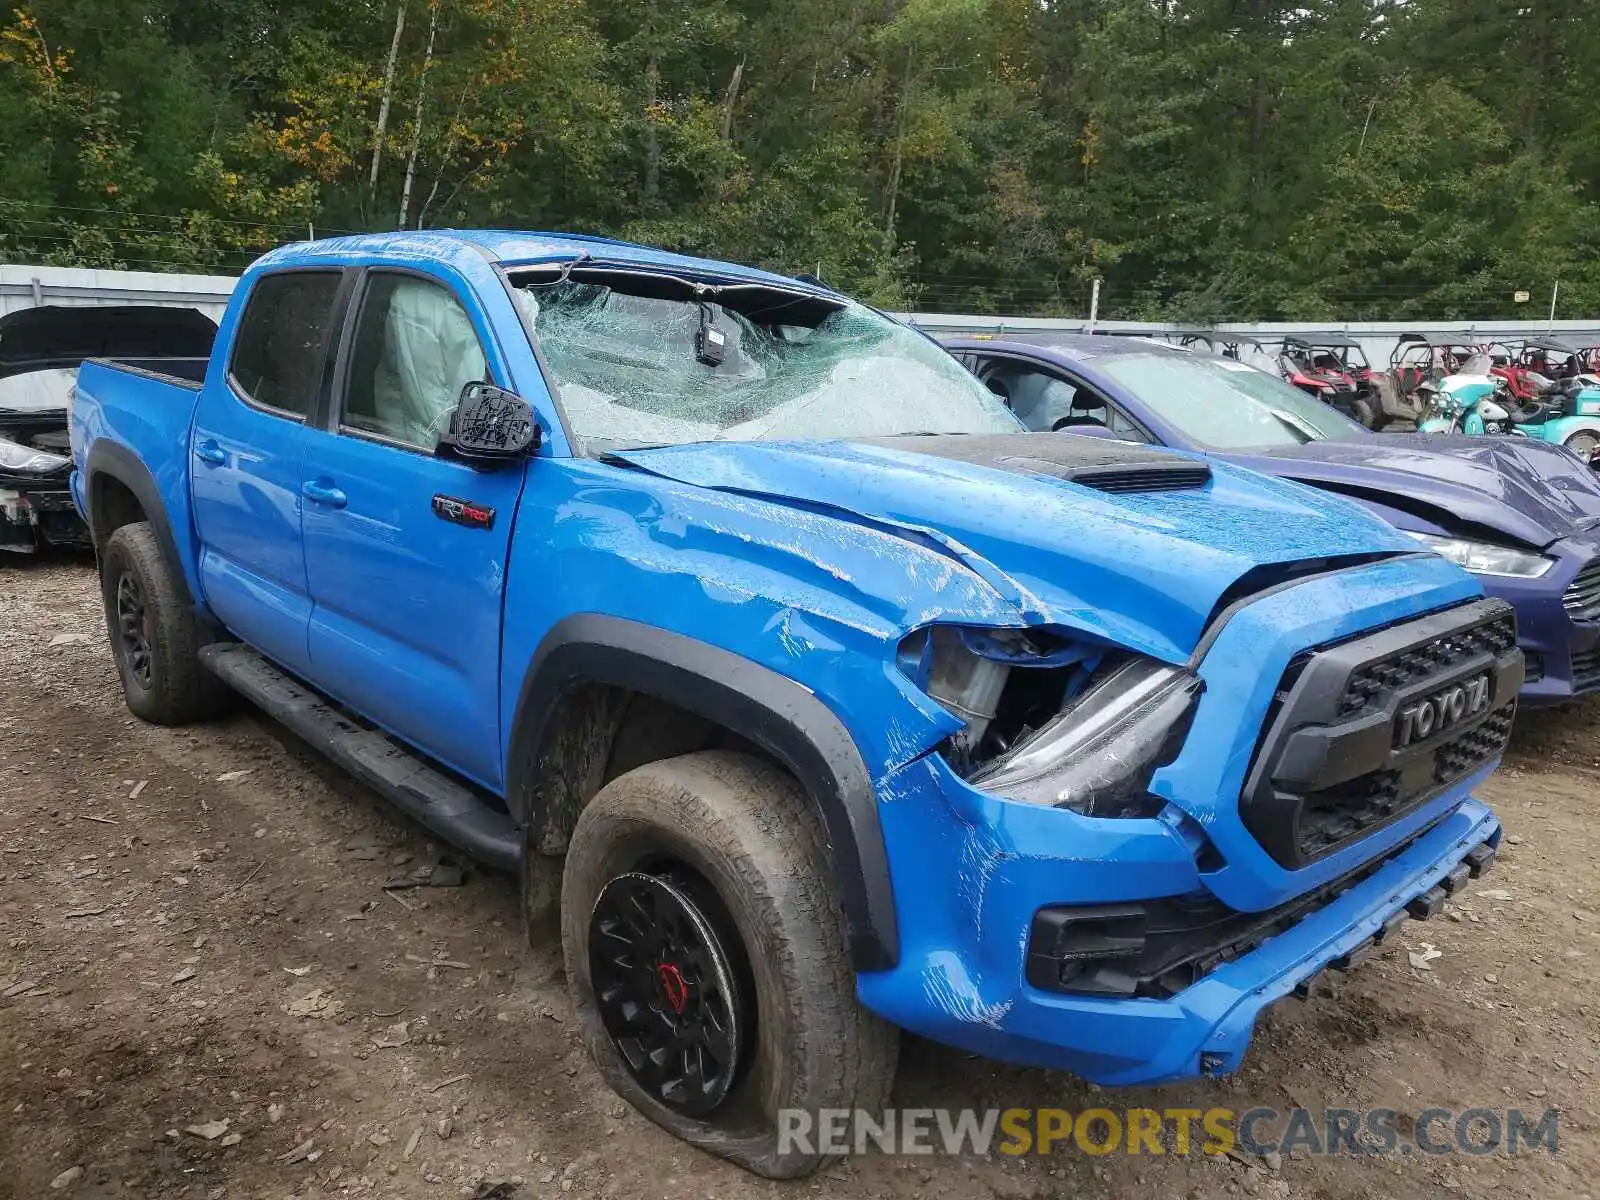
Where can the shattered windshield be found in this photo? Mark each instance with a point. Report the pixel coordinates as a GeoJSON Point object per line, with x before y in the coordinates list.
{"type": "Point", "coordinates": [1227, 405]}
{"type": "Point", "coordinates": [742, 364]}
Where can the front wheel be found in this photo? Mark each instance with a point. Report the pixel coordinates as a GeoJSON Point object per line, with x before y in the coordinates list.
{"type": "Point", "coordinates": [705, 953]}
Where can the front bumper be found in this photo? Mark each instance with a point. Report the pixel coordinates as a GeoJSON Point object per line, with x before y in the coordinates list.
{"type": "Point", "coordinates": [1563, 653]}
{"type": "Point", "coordinates": [38, 512]}
{"type": "Point", "coordinates": [971, 872]}
{"type": "Point", "coordinates": [1206, 1028]}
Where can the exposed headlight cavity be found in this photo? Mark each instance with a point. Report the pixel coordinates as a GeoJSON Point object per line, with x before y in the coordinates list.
{"type": "Point", "coordinates": [1486, 558]}
{"type": "Point", "coordinates": [1051, 720]}
{"type": "Point", "coordinates": [1098, 754]}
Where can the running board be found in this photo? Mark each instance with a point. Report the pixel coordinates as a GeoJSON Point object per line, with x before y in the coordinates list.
{"type": "Point", "coordinates": [446, 807]}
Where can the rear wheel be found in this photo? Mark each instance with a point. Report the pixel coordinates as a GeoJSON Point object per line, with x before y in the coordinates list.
{"type": "Point", "coordinates": [705, 952]}
{"type": "Point", "coordinates": [155, 636]}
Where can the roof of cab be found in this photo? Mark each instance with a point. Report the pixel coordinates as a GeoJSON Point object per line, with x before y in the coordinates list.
{"type": "Point", "coordinates": [512, 248]}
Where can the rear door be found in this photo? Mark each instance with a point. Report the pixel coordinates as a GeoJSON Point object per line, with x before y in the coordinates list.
{"type": "Point", "coordinates": [245, 453]}
{"type": "Point", "coordinates": [406, 552]}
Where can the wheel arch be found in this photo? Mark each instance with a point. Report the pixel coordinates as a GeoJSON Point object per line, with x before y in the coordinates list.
{"type": "Point", "coordinates": [112, 473]}
{"type": "Point", "coordinates": [776, 714]}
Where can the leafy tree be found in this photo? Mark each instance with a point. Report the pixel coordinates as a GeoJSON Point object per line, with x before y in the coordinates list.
{"type": "Point", "coordinates": [1204, 159]}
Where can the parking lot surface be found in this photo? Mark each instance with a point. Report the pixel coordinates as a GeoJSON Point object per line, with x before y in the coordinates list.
{"type": "Point", "coordinates": [206, 990]}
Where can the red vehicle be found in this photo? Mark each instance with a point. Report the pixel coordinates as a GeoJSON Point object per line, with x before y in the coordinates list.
{"type": "Point", "coordinates": [1518, 368]}
{"type": "Point", "coordinates": [1555, 358]}
{"type": "Point", "coordinates": [1333, 368]}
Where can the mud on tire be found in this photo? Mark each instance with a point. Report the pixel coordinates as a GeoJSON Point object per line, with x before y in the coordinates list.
{"type": "Point", "coordinates": [155, 635]}
{"type": "Point", "coordinates": [735, 839]}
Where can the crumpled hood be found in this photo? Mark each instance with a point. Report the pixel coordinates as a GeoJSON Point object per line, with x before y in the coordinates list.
{"type": "Point", "coordinates": [1145, 568]}
{"type": "Point", "coordinates": [1524, 489]}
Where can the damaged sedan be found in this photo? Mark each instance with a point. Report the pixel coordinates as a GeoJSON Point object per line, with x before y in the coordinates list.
{"type": "Point", "coordinates": [40, 350]}
{"type": "Point", "coordinates": [1521, 515]}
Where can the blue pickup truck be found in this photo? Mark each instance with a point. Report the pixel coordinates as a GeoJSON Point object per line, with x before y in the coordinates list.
{"type": "Point", "coordinates": [810, 695]}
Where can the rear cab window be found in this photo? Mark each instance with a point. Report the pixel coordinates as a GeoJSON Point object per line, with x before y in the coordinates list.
{"type": "Point", "coordinates": [280, 349]}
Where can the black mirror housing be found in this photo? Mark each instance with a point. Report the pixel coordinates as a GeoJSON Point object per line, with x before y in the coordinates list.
{"type": "Point", "coordinates": [491, 425]}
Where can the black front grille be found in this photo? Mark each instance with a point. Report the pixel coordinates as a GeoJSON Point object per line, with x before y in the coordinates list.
{"type": "Point", "coordinates": [1365, 731]}
{"type": "Point", "coordinates": [1582, 597]}
{"type": "Point", "coordinates": [1373, 683]}
{"type": "Point", "coordinates": [1463, 755]}
{"type": "Point", "coordinates": [1335, 816]}
{"type": "Point", "coordinates": [1586, 670]}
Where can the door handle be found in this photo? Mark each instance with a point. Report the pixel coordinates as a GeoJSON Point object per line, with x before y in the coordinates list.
{"type": "Point", "coordinates": [209, 452]}
{"type": "Point", "coordinates": [326, 494]}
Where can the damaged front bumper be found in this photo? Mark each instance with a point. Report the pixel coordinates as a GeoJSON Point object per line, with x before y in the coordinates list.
{"type": "Point", "coordinates": [36, 504]}
{"type": "Point", "coordinates": [35, 512]}
{"type": "Point", "coordinates": [1205, 1029]}
{"type": "Point", "coordinates": [1141, 950]}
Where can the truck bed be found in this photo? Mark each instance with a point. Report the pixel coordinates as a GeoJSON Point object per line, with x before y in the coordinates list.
{"type": "Point", "coordinates": [188, 373]}
{"type": "Point", "coordinates": [140, 409]}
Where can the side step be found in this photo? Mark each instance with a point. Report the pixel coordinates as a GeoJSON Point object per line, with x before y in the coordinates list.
{"type": "Point", "coordinates": [444, 806]}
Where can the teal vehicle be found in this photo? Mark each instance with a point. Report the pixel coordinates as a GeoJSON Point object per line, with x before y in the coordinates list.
{"type": "Point", "coordinates": [1564, 412]}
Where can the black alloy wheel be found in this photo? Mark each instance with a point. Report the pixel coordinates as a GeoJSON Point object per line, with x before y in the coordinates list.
{"type": "Point", "coordinates": [666, 988]}
{"type": "Point", "coordinates": [133, 628]}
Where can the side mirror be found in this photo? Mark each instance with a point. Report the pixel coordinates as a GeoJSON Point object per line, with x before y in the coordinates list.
{"type": "Point", "coordinates": [490, 425]}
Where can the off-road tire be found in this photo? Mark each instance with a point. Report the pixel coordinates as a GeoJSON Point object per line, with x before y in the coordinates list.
{"type": "Point", "coordinates": [743, 827]}
{"type": "Point", "coordinates": [176, 689]}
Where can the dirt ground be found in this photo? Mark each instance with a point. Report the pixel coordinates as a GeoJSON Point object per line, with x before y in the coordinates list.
{"type": "Point", "coordinates": [195, 931]}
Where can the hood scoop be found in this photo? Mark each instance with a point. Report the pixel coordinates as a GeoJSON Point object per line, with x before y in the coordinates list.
{"type": "Point", "coordinates": [1127, 477]}
{"type": "Point", "coordinates": [1099, 463]}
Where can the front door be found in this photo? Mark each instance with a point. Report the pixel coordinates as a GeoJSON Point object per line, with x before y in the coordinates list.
{"type": "Point", "coordinates": [405, 550]}
{"type": "Point", "coordinates": [244, 460]}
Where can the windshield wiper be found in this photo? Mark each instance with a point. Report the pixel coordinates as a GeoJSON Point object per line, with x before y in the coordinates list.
{"type": "Point", "coordinates": [1295, 426]}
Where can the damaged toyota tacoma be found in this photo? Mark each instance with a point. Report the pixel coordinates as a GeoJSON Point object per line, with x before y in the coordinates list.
{"type": "Point", "coordinates": [811, 697]}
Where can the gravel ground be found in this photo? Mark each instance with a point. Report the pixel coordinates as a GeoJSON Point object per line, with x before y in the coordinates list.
{"type": "Point", "coordinates": [200, 922]}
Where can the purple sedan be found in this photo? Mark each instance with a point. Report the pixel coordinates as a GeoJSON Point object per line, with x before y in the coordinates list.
{"type": "Point", "coordinates": [1521, 515]}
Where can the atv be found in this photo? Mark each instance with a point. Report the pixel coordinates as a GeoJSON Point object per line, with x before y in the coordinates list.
{"type": "Point", "coordinates": [1333, 368]}
{"type": "Point", "coordinates": [1418, 359]}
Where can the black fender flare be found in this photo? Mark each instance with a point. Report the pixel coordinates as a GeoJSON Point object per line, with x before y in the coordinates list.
{"type": "Point", "coordinates": [110, 460]}
{"type": "Point", "coordinates": [781, 716]}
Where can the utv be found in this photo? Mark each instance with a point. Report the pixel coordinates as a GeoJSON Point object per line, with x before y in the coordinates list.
{"type": "Point", "coordinates": [1333, 368]}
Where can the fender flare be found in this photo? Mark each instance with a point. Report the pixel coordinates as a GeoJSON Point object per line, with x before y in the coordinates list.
{"type": "Point", "coordinates": [781, 716]}
{"type": "Point", "coordinates": [1577, 425]}
{"type": "Point", "coordinates": [109, 460]}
